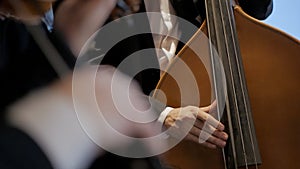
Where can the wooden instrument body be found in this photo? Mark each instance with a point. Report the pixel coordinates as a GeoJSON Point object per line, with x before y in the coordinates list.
{"type": "Point", "coordinates": [271, 61]}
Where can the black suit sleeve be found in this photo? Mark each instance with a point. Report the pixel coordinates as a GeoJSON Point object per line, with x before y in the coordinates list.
{"type": "Point", "coordinates": [23, 68]}
{"type": "Point", "coordinates": [19, 151]}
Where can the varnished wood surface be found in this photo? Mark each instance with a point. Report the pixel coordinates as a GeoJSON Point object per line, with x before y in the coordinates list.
{"type": "Point", "coordinates": [272, 68]}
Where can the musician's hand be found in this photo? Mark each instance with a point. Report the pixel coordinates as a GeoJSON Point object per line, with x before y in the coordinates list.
{"type": "Point", "coordinates": [212, 134]}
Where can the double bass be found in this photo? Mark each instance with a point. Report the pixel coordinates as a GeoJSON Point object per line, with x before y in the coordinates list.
{"type": "Point", "coordinates": [261, 93]}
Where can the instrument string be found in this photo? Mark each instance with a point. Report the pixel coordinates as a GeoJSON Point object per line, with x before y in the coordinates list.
{"type": "Point", "coordinates": [214, 78]}
{"type": "Point", "coordinates": [211, 22]}
{"type": "Point", "coordinates": [229, 6]}
{"type": "Point", "coordinates": [233, 84]}
{"type": "Point", "coordinates": [219, 16]}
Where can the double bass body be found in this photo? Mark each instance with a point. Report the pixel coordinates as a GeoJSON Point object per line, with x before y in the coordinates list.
{"type": "Point", "coordinates": [271, 61]}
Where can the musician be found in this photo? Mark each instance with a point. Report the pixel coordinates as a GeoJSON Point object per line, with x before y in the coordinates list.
{"type": "Point", "coordinates": [16, 65]}
{"type": "Point", "coordinates": [259, 9]}
{"type": "Point", "coordinates": [194, 12]}
{"type": "Point", "coordinates": [40, 128]}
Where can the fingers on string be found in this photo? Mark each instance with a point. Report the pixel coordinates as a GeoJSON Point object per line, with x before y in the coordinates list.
{"type": "Point", "coordinates": [205, 137]}
{"type": "Point", "coordinates": [193, 138]}
{"type": "Point", "coordinates": [207, 118]}
{"type": "Point", "coordinates": [206, 109]}
{"type": "Point", "coordinates": [210, 129]}
{"type": "Point", "coordinates": [211, 109]}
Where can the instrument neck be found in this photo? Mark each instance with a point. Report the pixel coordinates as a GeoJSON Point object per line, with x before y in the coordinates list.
{"type": "Point", "coordinates": [242, 149]}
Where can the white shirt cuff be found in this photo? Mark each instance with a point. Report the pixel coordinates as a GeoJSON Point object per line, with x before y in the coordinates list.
{"type": "Point", "coordinates": [164, 114]}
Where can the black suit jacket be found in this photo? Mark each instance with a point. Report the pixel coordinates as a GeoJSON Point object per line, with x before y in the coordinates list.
{"type": "Point", "coordinates": [23, 68]}
{"type": "Point", "coordinates": [187, 9]}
